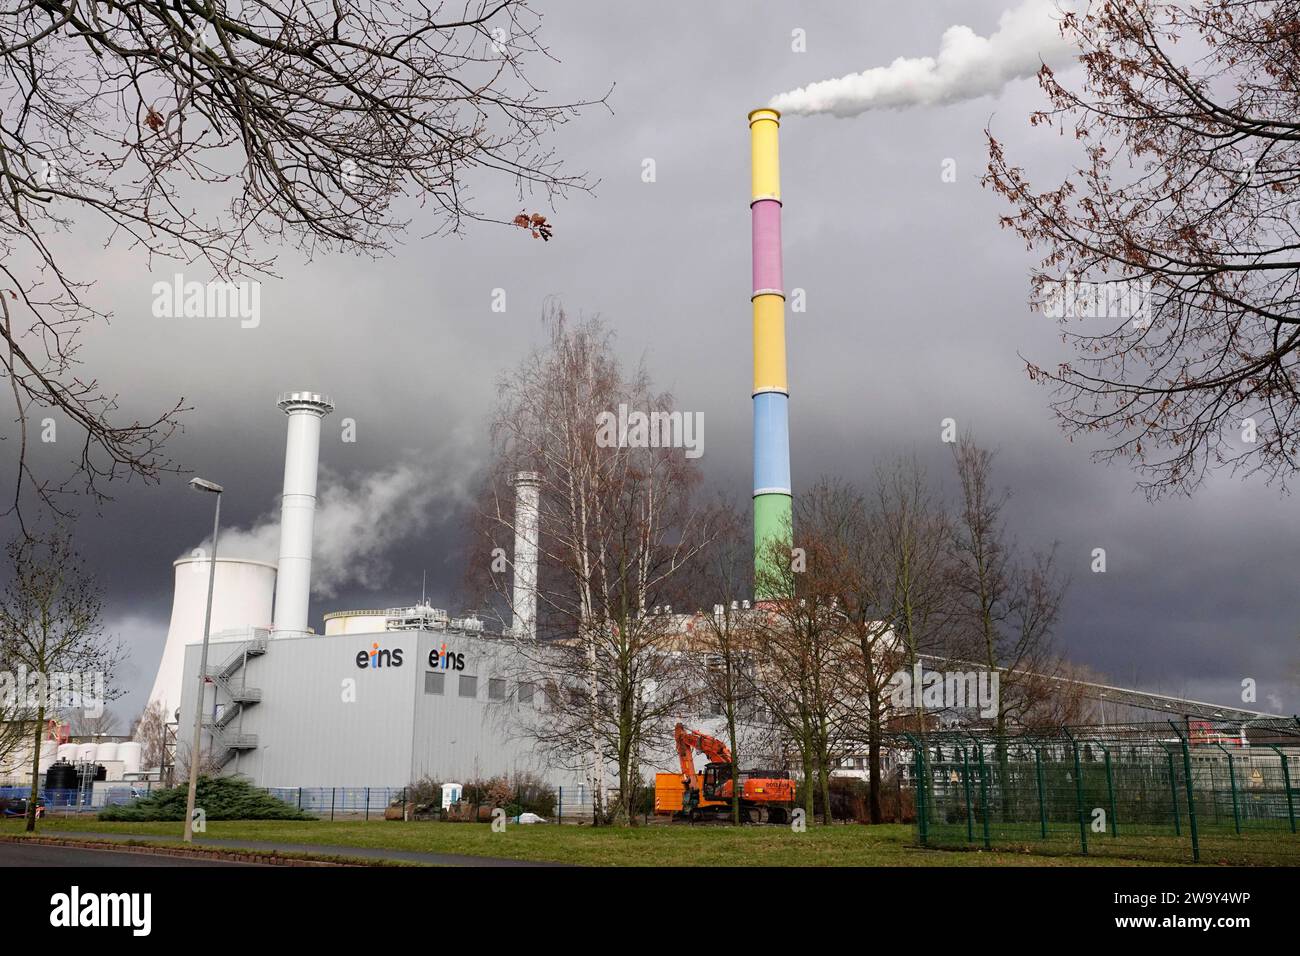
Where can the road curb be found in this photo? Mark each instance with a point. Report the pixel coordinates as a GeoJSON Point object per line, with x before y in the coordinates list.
{"type": "Point", "coordinates": [266, 858]}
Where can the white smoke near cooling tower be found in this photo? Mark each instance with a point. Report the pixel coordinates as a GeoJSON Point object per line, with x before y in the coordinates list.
{"type": "Point", "coordinates": [358, 520]}
{"type": "Point", "coordinates": [967, 66]}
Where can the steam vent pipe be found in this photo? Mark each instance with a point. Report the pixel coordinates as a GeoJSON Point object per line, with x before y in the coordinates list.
{"type": "Point", "coordinates": [298, 509]}
{"type": "Point", "coordinates": [772, 496]}
{"type": "Point", "coordinates": [523, 595]}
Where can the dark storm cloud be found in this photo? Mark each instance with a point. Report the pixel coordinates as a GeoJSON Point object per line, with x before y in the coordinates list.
{"type": "Point", "coordinates": [916, 311]}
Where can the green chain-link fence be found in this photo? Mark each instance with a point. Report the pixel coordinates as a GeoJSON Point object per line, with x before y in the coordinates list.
{"type": "Point", "coordinates": [1175, 791]}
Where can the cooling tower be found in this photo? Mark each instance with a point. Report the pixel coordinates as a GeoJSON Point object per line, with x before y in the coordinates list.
{"type": "Point", "coordinates": [241, 598]}
{"type": "Point", "coordinates": [298, 509]}
{"type": "Point", "coordinates": [772, 496]}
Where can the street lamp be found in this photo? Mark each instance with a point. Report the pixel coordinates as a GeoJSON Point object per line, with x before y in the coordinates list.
{"type": "Point", "coordinates": [199, 484]}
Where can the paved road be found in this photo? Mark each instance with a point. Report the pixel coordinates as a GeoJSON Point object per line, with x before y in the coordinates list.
{"type": "Point", "coordinates": [36, 854]}
{"type": "Point", "coordinates": [318, 849]}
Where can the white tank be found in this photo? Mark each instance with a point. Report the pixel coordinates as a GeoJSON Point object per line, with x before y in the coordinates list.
{"type": "Point", "coordinates": [355, 622]}
{"type": "Point", "coordinates": [86, 752]}
{"type": "Point", "coordinates": [106, 752]}
{"type": "Point", "coordinates": [67, 752]}
{"type": "Point", "coordinates": [131, 754]}
{"type": "Point", "coordinates": [49, 751]}
{"type": "Point", "coordinates": [242, 597]}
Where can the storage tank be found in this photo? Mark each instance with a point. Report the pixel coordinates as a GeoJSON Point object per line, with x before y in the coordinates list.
{"type": "Point", "coordinates": [67, 752]}
{"type": "Point", "coordinates": [355, 622]}
{"type": "Point", "coordinates": [49, 752]}
{"type": "Point", "coordinates": [242, 597]}
{"type": "Point", "coordinates": [61, 776]}
{"type": "Point", "coordinates": [86, 752]}
{"type": "Point", "coordinates": [106, 752]}
{"type": "Point", "coordinates": [131, 754]}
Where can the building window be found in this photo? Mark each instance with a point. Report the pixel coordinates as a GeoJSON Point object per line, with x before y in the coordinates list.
{"type": "Point", "coordinates": [468, 685]}
{"type": "Point", "coordinates": [434, 683]}
{"type": "Point", "coordinates": [525, 692]}
{"type": "Point", "coordinates": [496, 688]}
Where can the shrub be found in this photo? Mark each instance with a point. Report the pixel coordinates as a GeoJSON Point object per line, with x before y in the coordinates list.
{"type": "Point", "coordinates": [220, 798]}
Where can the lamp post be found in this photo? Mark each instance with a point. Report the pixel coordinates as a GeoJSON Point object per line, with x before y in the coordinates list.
{"type": "Point", "coordinates": [199, 484]}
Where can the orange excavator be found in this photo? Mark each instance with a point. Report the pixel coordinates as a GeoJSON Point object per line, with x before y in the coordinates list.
{"type": "Point", "coordinates": [766, 796]}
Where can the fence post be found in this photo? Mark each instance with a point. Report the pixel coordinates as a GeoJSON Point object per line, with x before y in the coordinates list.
{"type": "Point", "coordinates": [1078, 794]}
{"type": "Point", "coordinates": [984, 793]}
{"type": "Point", "coordinates": [970, 812]}
{"type": "Point", "coordinates": [1232, 785]}
{"type": "Point", "coordinates": [1191, 799]}
{"type": "Point", "coordinates": [367, 803]}
{"type": "Point", "coordinates": [1286, 782]}
{"type": "Point", "coordinates": [559, 813]}
{"type": "Point", "coordinates": [300, 798]}
{"type": "Point", "coordinates": [1110, 792]}
{"type": "Point", "coordinates": [1042, 795]}
{"type": "Point", "coordinates": [922, 824]}
{"type": "Point", "coordinates": [1173, 792]}
{"type": "Point", "coordinates": [333, 792]}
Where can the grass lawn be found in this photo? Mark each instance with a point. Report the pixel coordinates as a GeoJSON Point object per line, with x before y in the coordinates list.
{"type": "Point", "coordinates": [1269, 845]}
{"type": "Point", "coordinates": [672, 845]}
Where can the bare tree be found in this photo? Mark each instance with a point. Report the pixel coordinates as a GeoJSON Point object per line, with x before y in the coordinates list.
{"type": "Point", "coordinates": [208, 132]}
{"type": "Point", "coordinates": [842, 536]}
{"type": "Point", "coordinates": [912, 530]}
{"type": "Point", "coordinates": [799, 644]}
{"type": "Point", "coordinates": [1185, 204]}
{"type": "Point", "coordinates": [1006, 611]}
{"type": "Point", "coordinates": [50, 626]}
{"type": "Point", "coordinates": [103, 724]}
{"type": "Point", "coordinates": [156, 735]}
{"type": "Point", "coordinates": [618, 526]}
{"type": "Point", "coordinates": [1007, 606]}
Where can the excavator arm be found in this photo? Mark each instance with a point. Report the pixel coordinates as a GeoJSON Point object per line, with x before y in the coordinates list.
{"type": "Point", "coordinates": [689, 741]}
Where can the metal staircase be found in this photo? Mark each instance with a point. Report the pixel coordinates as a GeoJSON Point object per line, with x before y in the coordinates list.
{"type": "Point", "coordinates": [228, 740]}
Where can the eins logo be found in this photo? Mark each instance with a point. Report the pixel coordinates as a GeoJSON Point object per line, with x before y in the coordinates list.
{"type": "Point", "coordinates": [379, 657]}
{"type": "Point", "coordinates": [446, 660]}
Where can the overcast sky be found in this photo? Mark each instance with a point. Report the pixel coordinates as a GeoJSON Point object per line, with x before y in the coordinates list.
{"type": "Point", "coordinates": [916, 312]}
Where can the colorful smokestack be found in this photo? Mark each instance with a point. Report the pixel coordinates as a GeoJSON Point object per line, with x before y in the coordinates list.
{"type": "Point", "coordinates": [772, 501]}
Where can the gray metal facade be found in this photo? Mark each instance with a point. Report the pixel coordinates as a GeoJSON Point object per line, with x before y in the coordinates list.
{"type": "Point", "coordinates": [341, 711]}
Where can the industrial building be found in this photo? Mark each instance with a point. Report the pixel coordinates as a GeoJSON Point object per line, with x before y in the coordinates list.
{"type": "Point", "coordinates": [381, 708]}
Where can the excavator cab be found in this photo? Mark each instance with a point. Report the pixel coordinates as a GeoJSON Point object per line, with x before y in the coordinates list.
{"type": "Point", "coordinates": [716, 782]}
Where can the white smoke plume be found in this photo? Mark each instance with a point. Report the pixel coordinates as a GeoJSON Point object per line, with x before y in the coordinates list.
{"type": "Point", "coordinates": [968, 66]}
{"type": "Point", "coordinates": [359, 520]}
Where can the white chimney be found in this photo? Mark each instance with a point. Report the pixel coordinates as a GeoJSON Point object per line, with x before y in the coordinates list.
{"type": "Point", "coordinates": [298, 509]}
{"type": "Point", "coordinates": [523, 595]}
